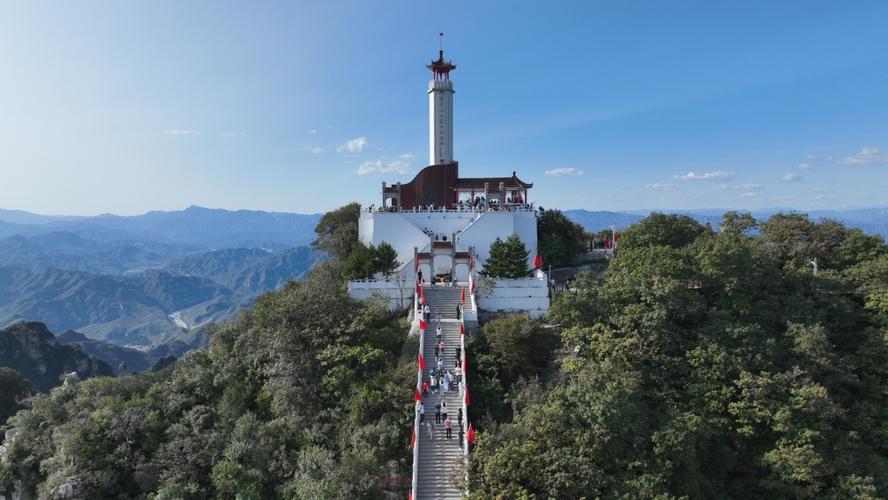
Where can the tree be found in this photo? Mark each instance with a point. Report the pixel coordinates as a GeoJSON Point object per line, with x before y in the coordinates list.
{"type": "Point", "coordinates": [338, 231]}
{"type": "Point", "coordinates": [360, 262]}
{"type": "Point", "coordinates": [507, 259]}
{"type": "Point", "coordinates": [659, 229]}
{"type": "Point", "coordinates": [560, 239]}
{"type": "Point", "coordinates": [737, 223]}
{"type": "Point", "coordinates": [385, 259]}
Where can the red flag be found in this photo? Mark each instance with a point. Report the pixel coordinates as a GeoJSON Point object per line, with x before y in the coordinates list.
{"type": "Point", "coordinates": [537, 261]}
{"type": "Point", "coordinates": [465, 363]}
{"type": "Point", "coordinates": [415, 263]}
{"type": "Point", "coordinates": [466, 398]}
{"type": "Point", "coordinates": [471, 263]}
{"type": "Point", "coordinates": [420, 362]}
{"type": "Point", "coordinates": [470, 435]}
{"type": "Point", "coordinates": [418, 288]}
{"type": "Point", "coordinates": [462, 296]}
{"type": "Point", "coordinates": [410, 495]}
{"type": "Point", "coordinates": [413, 437]}
{"type": "Point", "coordinates": [422, 294]}
{"type": "Point", "coordinates": [607, 243]}
{"type": "Point", "coordinates": [460, 328]}
{"type": "Point", "coordinates": [416, 394]}
{"type": "Point", "coordinates": [473, 286]}
{"type": "Point", "coordinates": [422, 325]}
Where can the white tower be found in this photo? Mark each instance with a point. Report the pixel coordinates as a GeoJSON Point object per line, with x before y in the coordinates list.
{"type": "Point", "coordinates": [440, 112]}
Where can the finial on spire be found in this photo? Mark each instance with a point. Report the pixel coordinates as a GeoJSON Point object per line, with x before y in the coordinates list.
{"type": "Point", "coordinates": [441, 67]}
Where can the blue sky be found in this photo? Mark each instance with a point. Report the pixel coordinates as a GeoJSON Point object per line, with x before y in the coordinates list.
{"type": "Point", "coordinates": [126, 107]}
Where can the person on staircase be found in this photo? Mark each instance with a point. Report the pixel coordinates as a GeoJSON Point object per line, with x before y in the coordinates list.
{"type": "Point", "coordinates": [438, 333]}
{"type": "Point", "coordinates": [431, 430]}
{"type": "Point", "coordinates": [448, 426]}
{"type": "Point", "coordinates": [458, 311]}
{"type": "Point", "coordinates": [434, 384]}
{"type": "Point", "coordinates": [425, 388]}
{"type": "Point", "coordinates": [444, 410]}
{"type": "Point", "coordinates": [458, 355]}
{"type": "Point", "coordinates": [421, 410]}
{"type": "Point", "coordinates": [438, 411]}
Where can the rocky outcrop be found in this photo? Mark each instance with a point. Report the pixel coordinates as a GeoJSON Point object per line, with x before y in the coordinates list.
{"type": "Point", "coordinates": [31, 349]}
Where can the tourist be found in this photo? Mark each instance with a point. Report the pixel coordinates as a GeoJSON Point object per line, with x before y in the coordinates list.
{"type": "Point", "coordinates": [438, 334]}
{"type": "Point", "coordinates": [419, 276]}
{"type": "Point", "coordinates": [458, 311]}
{"type": "Point", "coordinates": [447, 381]}
{"type": "Point", "coordinates": [421, 410]}
{"type": "Point", "coordinates": [438, 411]}
{"type": "Point", "coordinates": [448, 426]}
{"type": "Point", "coordinates": [444, 409]}
{"type": "Point", "coordinates": [445, 386]}
{"type": "Point", "coordinates": [461, 437]}
{"type": "Point", "coordinates": [425, 388]}
{"type": "Point", "coordinates": [459, 417]}
{"type": "Point", "coordinates": [441, 346]}
{"type": "Point", "coordinates": [458, 350]}
{"type": "Point", "coordinates": [427, 311]}
{"type": "Point", "coordinates": [431, 429]}
{"type": "Point", "coordinates": [434, 384]}
{"type": "Point", "coordinates": [440, 364]}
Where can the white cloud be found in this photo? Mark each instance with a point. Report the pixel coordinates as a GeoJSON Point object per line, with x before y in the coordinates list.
{"type": "Point", "coordinates": [749, 194]}
{"type": "Point", "coordinates": [407, 156]}
{"type": "Point", "coordinates": [805, 166]}
{"type": "Point", "coordinates": [704, 176]}
{"type": "Point", "coordinates": [866, 156]}
{"type": "Point", "coordinates": [558, 172]}
{"type": "Point", "coordinates": [791, 177]}
{"type": "Point", "coordinates": [782, 197]}
{"type": "Point", "coordinates": [315, 150]}
{"type": "Point", "coordinates": [313, 131]}
{"type": "Point", "coordinates": [746, 186]}
{"type": "Point", "coordinates": [397, 167]}
{"type": "Point", "coordinates": [179, 131]}
{"type": "Point", "coordinates": [355, 145]}
{"type": "Point", "coordinates": [232, 134]}
{"type": "Point", "coordinates": [660, 185]}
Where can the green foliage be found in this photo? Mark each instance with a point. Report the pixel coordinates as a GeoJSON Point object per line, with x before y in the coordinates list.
{"type": "Point", "coordinates": [302, 397]}
{"type": "Point", "coordinates": [560, 239]}
{"type": "Point", "coordinates": [702, 366]}
{"type": "Point", "coordinates": [663, 230]}
{"type": "Point", "coordinates": [13, 389]}
{"type": "Point", "coordinates": [338, 231]}
{"type": "Point", "coordinates": [507, 259]}
{"type": "Point", "coordinates": [385, 260]}
{"type": "Point", "coordinates": [360, 262]}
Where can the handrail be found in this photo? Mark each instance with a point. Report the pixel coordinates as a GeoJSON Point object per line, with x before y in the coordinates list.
{"type": "Point", "coordinates": [417, 430]}
{"type": "Point", "coordinates": [464, 383]}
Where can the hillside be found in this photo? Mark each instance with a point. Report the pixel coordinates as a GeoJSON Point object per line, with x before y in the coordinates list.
{"type": "Point", "coordinates": [32, 350]}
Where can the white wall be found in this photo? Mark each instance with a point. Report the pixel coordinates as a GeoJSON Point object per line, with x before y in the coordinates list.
{"type": "Point", "coordinates": [387, 289]}
{"type": "Point", "coordinates": [525, 295]}
{"type": "Point", "coordinates": [492, 225]}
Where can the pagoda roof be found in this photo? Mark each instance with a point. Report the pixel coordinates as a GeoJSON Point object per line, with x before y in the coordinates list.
{"type": "Point", "coordinates": [493, 182]}
{"type": "Point", "coordinates": [441, 65]}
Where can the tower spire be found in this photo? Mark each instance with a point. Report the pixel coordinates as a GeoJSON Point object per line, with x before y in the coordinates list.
{"type": "Point", "coordinates": [440, 108]}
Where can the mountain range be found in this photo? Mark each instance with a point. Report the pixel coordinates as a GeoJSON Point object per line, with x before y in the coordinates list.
{"type": "Point", "coordinates": [135, 289]}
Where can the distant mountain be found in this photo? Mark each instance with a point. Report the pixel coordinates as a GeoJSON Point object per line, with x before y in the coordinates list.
{"type": "Point", "coordinates": [872, 221]}
{"type": "Point", "coordinates": [74, 252]}
{"type": "Point", "coordinates": [31, 349]}
{"type": "Point", "coordinates": [127, 310]}
{"type": "Point", "coordinates": [248, 270]}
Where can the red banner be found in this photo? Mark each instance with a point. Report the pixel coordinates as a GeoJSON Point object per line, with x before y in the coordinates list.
{"type": "Point", "coordinates": [422, 294]}
{"type": "Point", "coordinates": [416, 394]}
{"type": "Point", "coordinates": [473, 286]}
{"type": "Point", "coordinates": [466, 398]}
{"type": "Point", "coordinates": [462, 296]}
{"type": "Point", "coordinates": [470, 435]}
{"type": "Point", "coordinates": [420, 362]}
{"type": "Point", "coordinates": [422, 325]}
{"type": "Point", "coordinates": [537, 261]}
{"type": "Point", "coordinates": [465, 363]}
{"type": "Point", "coordinates": [460, 328]}
{"type": "Point", "coordinates": [418, 289]}
{"type": "Point", "coordinates": [412, 438]}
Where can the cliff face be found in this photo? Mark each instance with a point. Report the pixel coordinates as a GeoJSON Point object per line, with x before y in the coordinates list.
{"type": "Point", "coordinates": [31, 349]}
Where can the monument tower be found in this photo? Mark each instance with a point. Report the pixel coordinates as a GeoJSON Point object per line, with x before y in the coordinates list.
{"type": "Point", "coordinates": [440, 111]}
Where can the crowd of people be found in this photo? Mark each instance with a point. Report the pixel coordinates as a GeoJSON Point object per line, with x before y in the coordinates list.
{"type": "Point", "coordinates": [440, 380]}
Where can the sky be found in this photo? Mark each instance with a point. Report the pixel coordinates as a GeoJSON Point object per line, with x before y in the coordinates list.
{"type": "Point", "coordinates": [126, 107]}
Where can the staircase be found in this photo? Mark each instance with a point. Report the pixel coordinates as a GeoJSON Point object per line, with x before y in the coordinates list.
{"type": "Point", "coordinates": [438, 456]}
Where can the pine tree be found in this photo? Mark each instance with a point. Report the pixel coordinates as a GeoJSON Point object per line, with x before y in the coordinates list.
{"type": "Point", "coordinates": [508, 259]}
